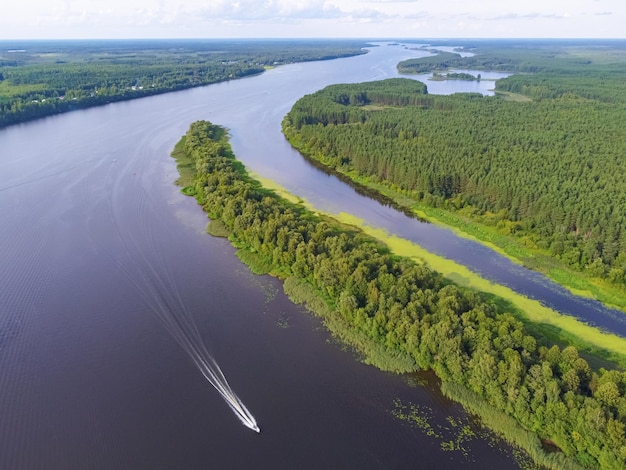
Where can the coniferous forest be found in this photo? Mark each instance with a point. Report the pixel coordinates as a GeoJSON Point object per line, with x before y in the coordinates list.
{"type": "Point", "coordinates": [403, 316]}
{"type": "Point", "coordinates": [546, 170]}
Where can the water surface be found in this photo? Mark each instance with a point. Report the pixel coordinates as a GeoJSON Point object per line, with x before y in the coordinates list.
{"type": "Point", "coordinates": [89, 375]}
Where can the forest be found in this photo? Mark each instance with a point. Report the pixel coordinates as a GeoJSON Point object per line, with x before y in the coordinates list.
{"type": "Point", "coordinates": [513, 55]}
{"type": "Point", "coordinates": [546, 171]}
{"type": "Point", "coordinates": [403, 316]}
{"type": "Point", "coordinates": [41, 78]}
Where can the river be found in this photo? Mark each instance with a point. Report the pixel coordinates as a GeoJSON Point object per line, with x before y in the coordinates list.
{"type": "Point", "coordinates": [96, 238]}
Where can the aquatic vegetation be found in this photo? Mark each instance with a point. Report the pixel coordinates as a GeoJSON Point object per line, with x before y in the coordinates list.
{"type": "Point", "coordinates": [403, 316]}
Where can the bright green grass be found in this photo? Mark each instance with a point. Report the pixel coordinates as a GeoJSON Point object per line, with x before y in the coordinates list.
{"type": "Point", "coordinates": [519, 250]}
{"type": "Point", "coordinates": [6, 89]}
{"type": "Point", "coordinates": [217, 228]}
{"type": "Point", "coordinates": [532, 310]}
{"type": "Point", "coordinates": [557, 327]}
{"type": "Point", "coordinates": [186, 168]}
{"type": "Point", "coordinates": [278, 189]}
{"type": "Point", "coordinates": [509, 96]}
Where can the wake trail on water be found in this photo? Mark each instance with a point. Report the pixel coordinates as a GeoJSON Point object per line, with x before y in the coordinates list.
{"type": "Point", "coordinates": [153, 281]}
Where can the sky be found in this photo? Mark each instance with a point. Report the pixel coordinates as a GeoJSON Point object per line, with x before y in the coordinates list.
{"type": "Point", "coordinates": [83, 19]}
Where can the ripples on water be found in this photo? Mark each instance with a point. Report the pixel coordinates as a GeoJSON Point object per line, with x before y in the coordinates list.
{"type": "Point", "coordinates": [100, 251]}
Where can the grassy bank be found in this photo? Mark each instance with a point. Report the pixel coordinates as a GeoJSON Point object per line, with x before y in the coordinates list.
{"type": "Point", "coordinates": [519, 250]}
{"type": "Point", "coordinates": [371, 352]}
{"type": "Point", "coordinates": [508, 428]}
{"type": "Point", "coordinates": [488, 167]}
{"type": "Point", "coordinates": [561, 329]}
{"type": "Point", "coordinates": [402, 316]}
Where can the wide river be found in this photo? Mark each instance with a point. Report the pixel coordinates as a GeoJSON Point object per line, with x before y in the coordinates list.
{"type": "Point", "coordinates": [102, 260]}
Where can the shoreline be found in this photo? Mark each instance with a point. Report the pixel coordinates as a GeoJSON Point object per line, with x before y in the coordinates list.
{"type": "Point", "coordinates": [52, 106]}
{"type": "Point", "coordinates": [247, 209]}
{"type": "Point", "coordinates": [602, 347]}
{"type": "Point", "coordinates": [408, 206]}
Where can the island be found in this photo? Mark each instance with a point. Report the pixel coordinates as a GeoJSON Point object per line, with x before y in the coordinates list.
{"type": "Point", "coordinates": [402, 316]}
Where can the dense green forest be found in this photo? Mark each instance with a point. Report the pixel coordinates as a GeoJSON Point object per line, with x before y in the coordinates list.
{"type": "Point", "coordinates": [548, 171]}
{"type": "Point", "coordinates": [43, 78]}
{"type": "Point", "coordinates": [404, 316]}
{"type": "Point", "coordinates": [527, 56]}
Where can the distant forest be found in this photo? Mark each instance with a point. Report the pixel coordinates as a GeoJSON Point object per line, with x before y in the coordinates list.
{"type": "Point", "coordinates": [40, 78]}
{"type": "Point", "coordinates": [548, 170]}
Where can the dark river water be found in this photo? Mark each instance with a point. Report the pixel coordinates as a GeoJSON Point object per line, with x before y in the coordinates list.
{"type": "Point", "coordinates": [102, 259]}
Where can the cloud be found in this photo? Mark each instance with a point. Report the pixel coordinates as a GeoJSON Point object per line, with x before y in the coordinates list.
{"type": "Point", "coordinates": [369, 14]}
{"type": "Point", "coordinates": [277, 11]}
{"type": "Point", "coordinates": [527, 16]}
{"type": "Point", "coordinates": [392, 1]}
{"type": "Point", "coordinates": [309, 18]}
{"type": "Point", "coordinates": [251, 10]}
{"type": "Point", "coordinates": [420, 15]}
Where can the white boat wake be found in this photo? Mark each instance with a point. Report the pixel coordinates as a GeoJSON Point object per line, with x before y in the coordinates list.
{"type": "Point", "coordinates": [165, 301]}
{"type": "Point", "coordinates": [160, 292]}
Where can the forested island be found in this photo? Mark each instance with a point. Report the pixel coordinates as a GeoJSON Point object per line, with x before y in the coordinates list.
{"type": "Point", "coordinates": [455, 76]}
{"type": "Point", "coordinates": [402, 316]}
{"type": "Point", "coordinates": [41, 78]}
{"type": "Point", "coordinates": [538, 175]}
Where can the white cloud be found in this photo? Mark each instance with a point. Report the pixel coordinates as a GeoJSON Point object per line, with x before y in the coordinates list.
{"type": "Point", "coordinates": [245, 10]}
{"type": "Point", "coordinates": [311, 18]}
{"type": "Point", "coordinates": [527, 16]}
{"type": "Point", "coordinates": [393, 1]}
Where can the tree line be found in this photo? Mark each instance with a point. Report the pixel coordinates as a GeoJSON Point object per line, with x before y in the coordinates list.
{"type": "Point", "coordinates": [548, 171]}
{"type": "Point", "coordinates": [53, 77]}
{"type": "Point", "coordinates": [415, 314]}
{"type": "Point", "coordinates": [527, 56]}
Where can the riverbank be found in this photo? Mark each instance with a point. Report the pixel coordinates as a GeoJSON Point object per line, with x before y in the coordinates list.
{"type": "Point", "coordinates": [21, 112]}
{"type": "Point", "coordinates": [46, 78]}
{"type": "Point", "coordinates": [435, 159]}
{"type": "Point", "coordinates": [600, 349]}
{"type": "Point", "coordinates": [515, 249]}
{"type": "Point", "coordinates": [393, 309]}
{"type": "Point", "coordinates": [510, 247]}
